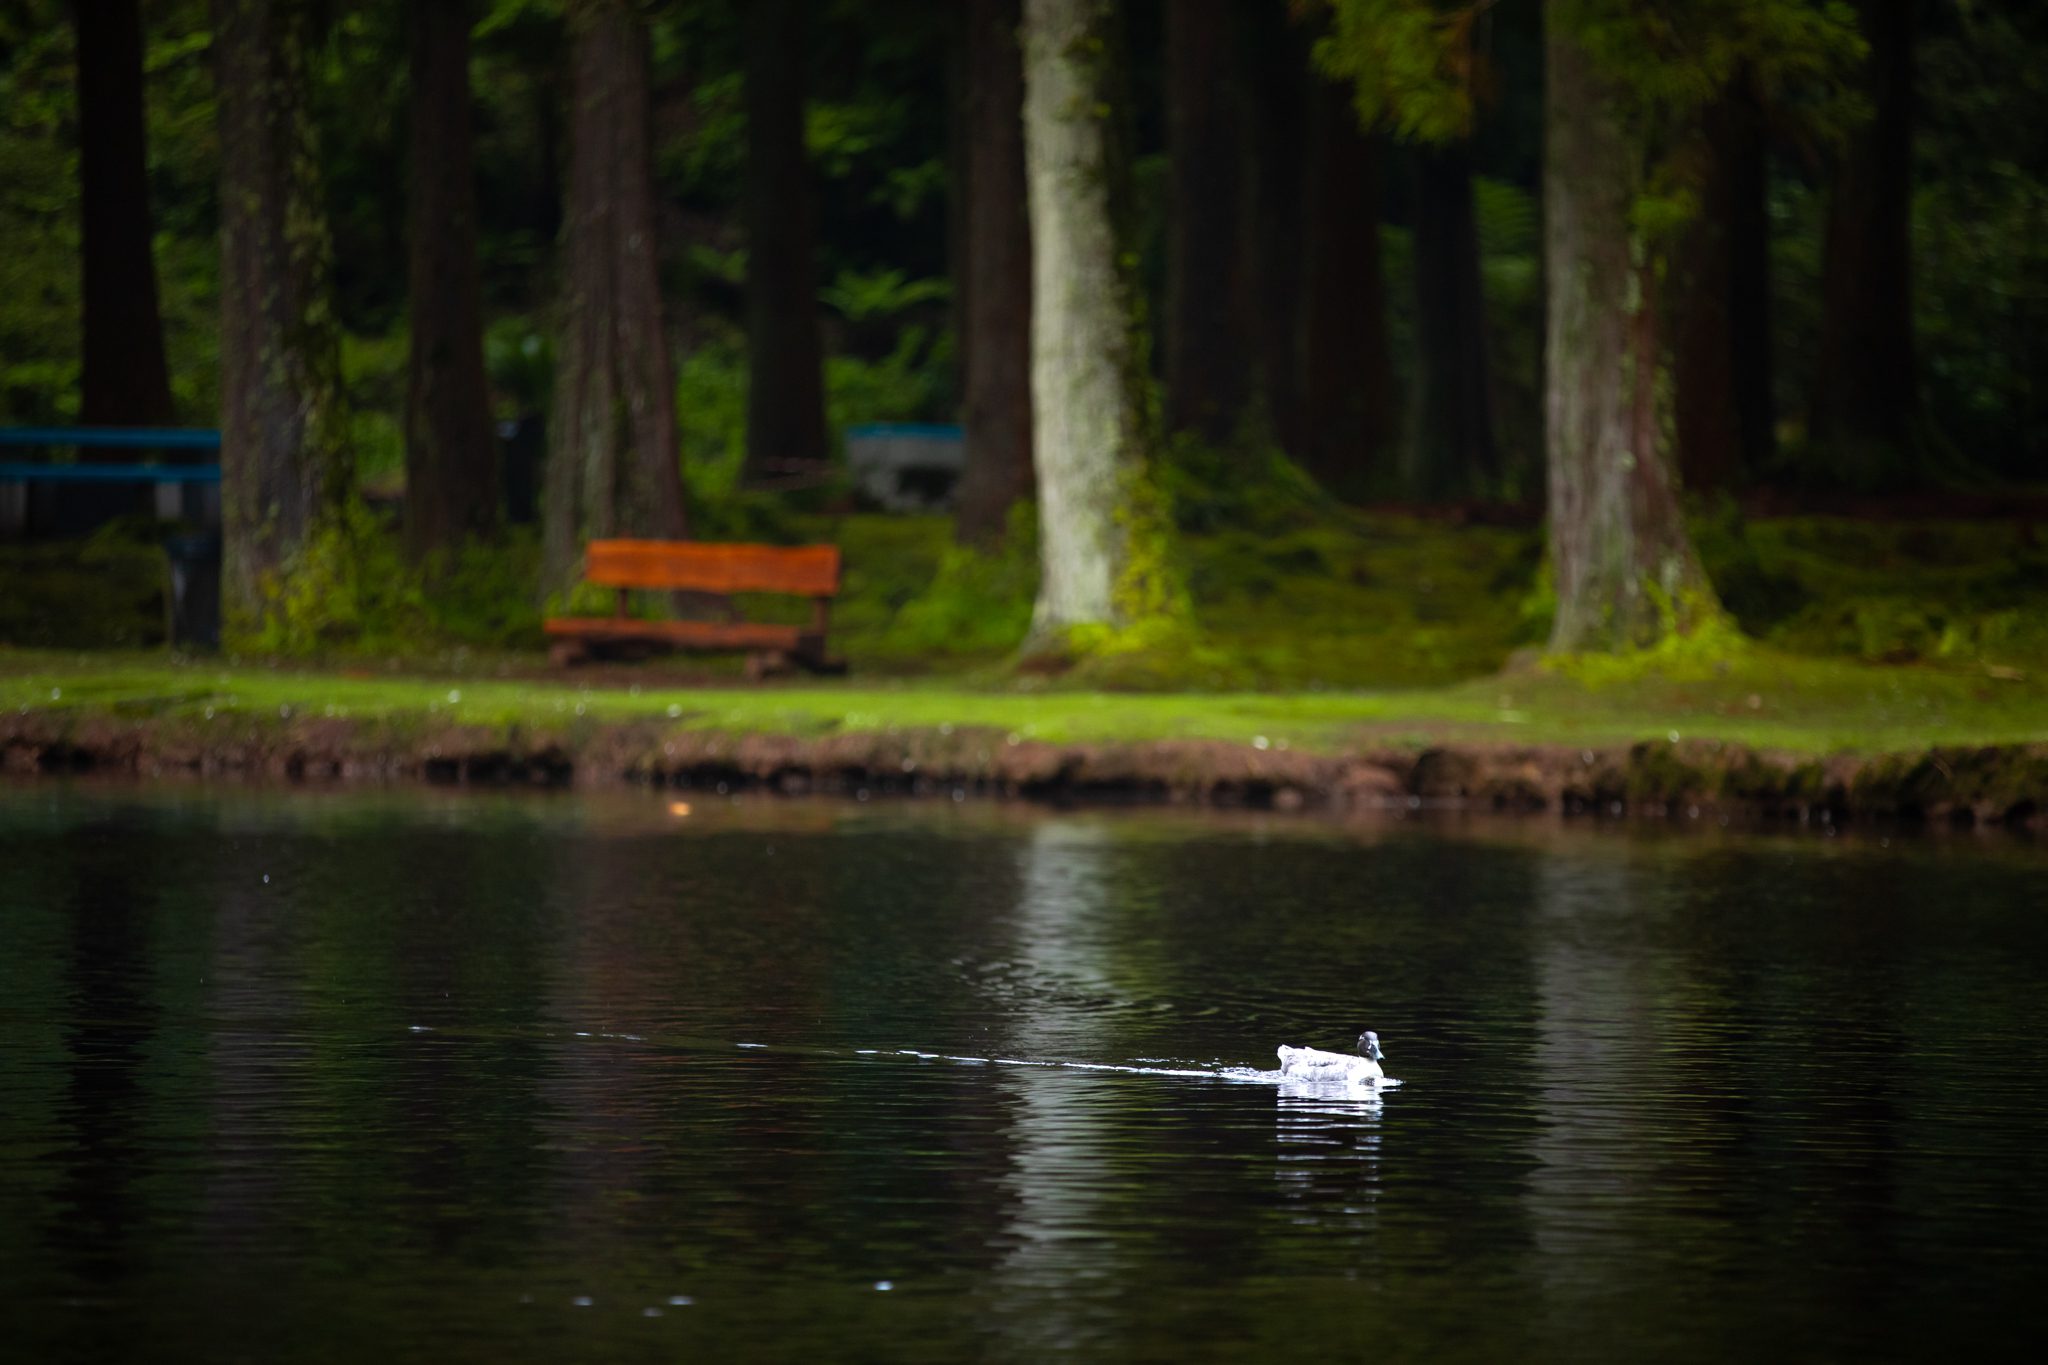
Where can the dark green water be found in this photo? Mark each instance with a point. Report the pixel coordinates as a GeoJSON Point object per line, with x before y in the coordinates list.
{"type": "Point", "coordinates": [315, 1077]}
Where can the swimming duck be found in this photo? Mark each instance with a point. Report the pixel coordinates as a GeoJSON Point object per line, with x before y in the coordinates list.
{"type": "Point", "coordinates": [1307, 1063]}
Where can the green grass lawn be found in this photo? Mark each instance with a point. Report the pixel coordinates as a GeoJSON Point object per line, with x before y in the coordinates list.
{"type": "Point", "coordinates": [1760, 699]}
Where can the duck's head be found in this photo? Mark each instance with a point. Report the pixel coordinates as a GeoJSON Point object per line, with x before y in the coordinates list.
{"type": "Point", "coordinates": [1369, 1045]}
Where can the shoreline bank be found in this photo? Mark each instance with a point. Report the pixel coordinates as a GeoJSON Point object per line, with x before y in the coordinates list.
{"type": "Point", "coordinates": [1991, 784]}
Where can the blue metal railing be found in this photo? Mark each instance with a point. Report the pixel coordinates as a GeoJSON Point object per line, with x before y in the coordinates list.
{"type": "Point", "coordinates": [114, 438]}
{"type": "Point", "coordinates": [109, 438]}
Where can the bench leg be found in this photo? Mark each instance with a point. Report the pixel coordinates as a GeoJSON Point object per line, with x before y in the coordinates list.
{"type": "Point", "coordinates": [565, 653]}
{"type": "Point", "coordinates": [767, 663]}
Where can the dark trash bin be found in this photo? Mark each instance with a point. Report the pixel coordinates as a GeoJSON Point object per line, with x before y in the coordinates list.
{"type": "Point", "coordinates": [194, 596]}
{"type": "Point", "coordinates": [522, 443]}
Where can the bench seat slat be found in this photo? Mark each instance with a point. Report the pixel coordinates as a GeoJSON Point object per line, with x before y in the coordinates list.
{"type": "Point", "coordinates": [803, 570]}
{"type": "Point", "coordinates": [684, 634]}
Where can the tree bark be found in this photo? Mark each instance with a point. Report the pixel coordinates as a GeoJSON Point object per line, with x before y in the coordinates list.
{"type": "Point", "coordinates": [1451, 450]}
{"type": "Point", "coordinates": [1277, 122]}
{"type": "Point", "coordinates": [1205, 370]}
{"type": "Point", "coordinates": [785, 366]}
{"type": "Point", "coordinates": [997, 278]}
{"type": "Point", "coordinates": [1346, 378]}
{"type": "Point", "coordinates": [285, 470]}
{"type": "Point", "coordinates": [1721, 358]}
{"type": "Point", "coordinates": [451, 447]}
{"type": "Point", "coordinates": [613, 464]}
{"type": "Point", "coordinates": [1625, 570]}
{"type": "Point", "coordinates": [1866, 404]}
{"type": "Point", "coordinates": [125, 380]}
{"type": "Point", "coordinates": [1090, 441]}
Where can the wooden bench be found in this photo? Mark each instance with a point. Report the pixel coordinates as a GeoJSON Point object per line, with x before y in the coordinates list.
{"type": "Point", "coordinates": [701, 567]}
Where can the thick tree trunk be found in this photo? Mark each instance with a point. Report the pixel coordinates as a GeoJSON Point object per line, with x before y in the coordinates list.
{"type": "Point", "coordinates": [1624, 567]}
{"type": "Point", "coordinates": [1346, 375]}
{"type": "Point", "coordinates": [285, 470]}
{"type": "Point", "coordinates": [126, 382]}
{"type": "Point", "coordinates": [997, 277]}
{"type": "Point", "coordinates": [451, 448]}
{"type": "Point", "coordinates": [1451, 450]}
{"type": "Point", "coordinates": [613, 465]}
{"type": "Point", "coordinates": [1277, 122]}
{"type": "Point", "coordinates": [785, 368]}
{"type": "Point", "coordinates": [1088, 422]}
{"type": "Point", "coordinates": [1866, 406]}
{"type": "Point", "coordinates": [1204, 341]}
{"type": "Point", "coordinates": [1721, 358]}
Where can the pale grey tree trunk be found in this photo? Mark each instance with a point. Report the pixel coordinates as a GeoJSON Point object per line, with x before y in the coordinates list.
{"type": "Point", "coordinates": [1088, 423]}
{"type": "Point", "coordinates": [1625, 569]}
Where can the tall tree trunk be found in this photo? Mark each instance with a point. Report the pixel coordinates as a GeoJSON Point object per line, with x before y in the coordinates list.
{"type": "Point", "coordinates": [126, 382]}
{"type": "Point", "coordinates": [613, 465]}
{"type": "Point", "coordinates": [1624, 567]}
{"type": "Point", "coordinates": [997, 276]}
{"type": "Point", "coordinates": [1451, 450]}
{"type": "Point", "coordinates": [1091, 441]}
{"type": "Point", "coordinates": [1721, 357]}
{"type": "Point", "coordinates": [285, 471]}
{"type": "Point", "coordinates": [1346, 374]}
{"type": "Point", "coordinates": [1205, 362]}
{"type": "Point", "coordinates": [958, 34]}
{"type": "Point", "coordinates": [451, 447]}
{"type": "Point", "coordinates": [1276, 121]}
{"type": "Point", "coordinates": [1866, 397]}
{"type": "Point", "coordinates": [785, 368]}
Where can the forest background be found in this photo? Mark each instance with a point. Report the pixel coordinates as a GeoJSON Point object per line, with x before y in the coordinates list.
{"type": "Point", "coordinates": [1338, 250]}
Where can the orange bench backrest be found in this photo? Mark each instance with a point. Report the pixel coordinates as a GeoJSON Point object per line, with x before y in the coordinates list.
{"type": "Point", "coordinates": [703, 566]}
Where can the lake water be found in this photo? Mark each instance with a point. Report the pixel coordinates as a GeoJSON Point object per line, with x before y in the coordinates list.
{"type": "Point", "coordinates": [341, 1077]}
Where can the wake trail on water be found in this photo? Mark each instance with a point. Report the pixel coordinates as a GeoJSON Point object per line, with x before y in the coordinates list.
{"type": "Point", "coordinates": [1242, 1075]}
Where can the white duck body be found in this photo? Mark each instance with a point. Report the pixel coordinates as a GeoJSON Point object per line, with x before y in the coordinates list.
{"type": "Point", "coordinates": [1312, 1064]}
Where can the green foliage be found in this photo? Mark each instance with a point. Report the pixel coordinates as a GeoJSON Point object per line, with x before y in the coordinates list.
{"type": "Point", "coordinates": [1758, 596]}
{"type": "Point", "coordinates": [1980, 233]}
{"type": "Point", "coordinates": [711, 416]}
{"type": "Point", "coordinates": [974, 604]}
{"type": "Point", "coordinates": [1252, 487]}
{"type": "Point", "coordinates": [519, 360]}
{"type": "Point", "coordinates": [1411, 63]}
{"type": "Point", "coordinates": [1417, 68]}
{"type": "Point", "coordinates": [1511, 275]}
{"type": "Point", "coordinates": [912, 382]}
{"type": "Point", "coordinates": [39, 241]}
{"type": "Point", "coordinates": [373, 382]}
{"type": "Point", "coordinates": [861, 296]}
{"type": "Point", "coordinates": [350, 590]}
{"type": "Point", "coordinates": [1949, 592]}
{"type": "Point", "coordinates": [104, 593]}
{"type": "Point", "coordinates": [1668, 63]}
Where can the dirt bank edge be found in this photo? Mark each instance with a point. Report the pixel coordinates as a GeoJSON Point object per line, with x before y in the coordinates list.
{"type": "Point", "coordinates": [1996, 784]}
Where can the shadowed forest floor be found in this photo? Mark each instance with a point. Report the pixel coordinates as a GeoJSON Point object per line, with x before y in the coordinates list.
{"type": "Point", "coordinates": [1295, 600]}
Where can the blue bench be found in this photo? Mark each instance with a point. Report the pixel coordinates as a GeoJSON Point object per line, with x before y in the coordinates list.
{"type": "Point", "coordinates": [171, 480]}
